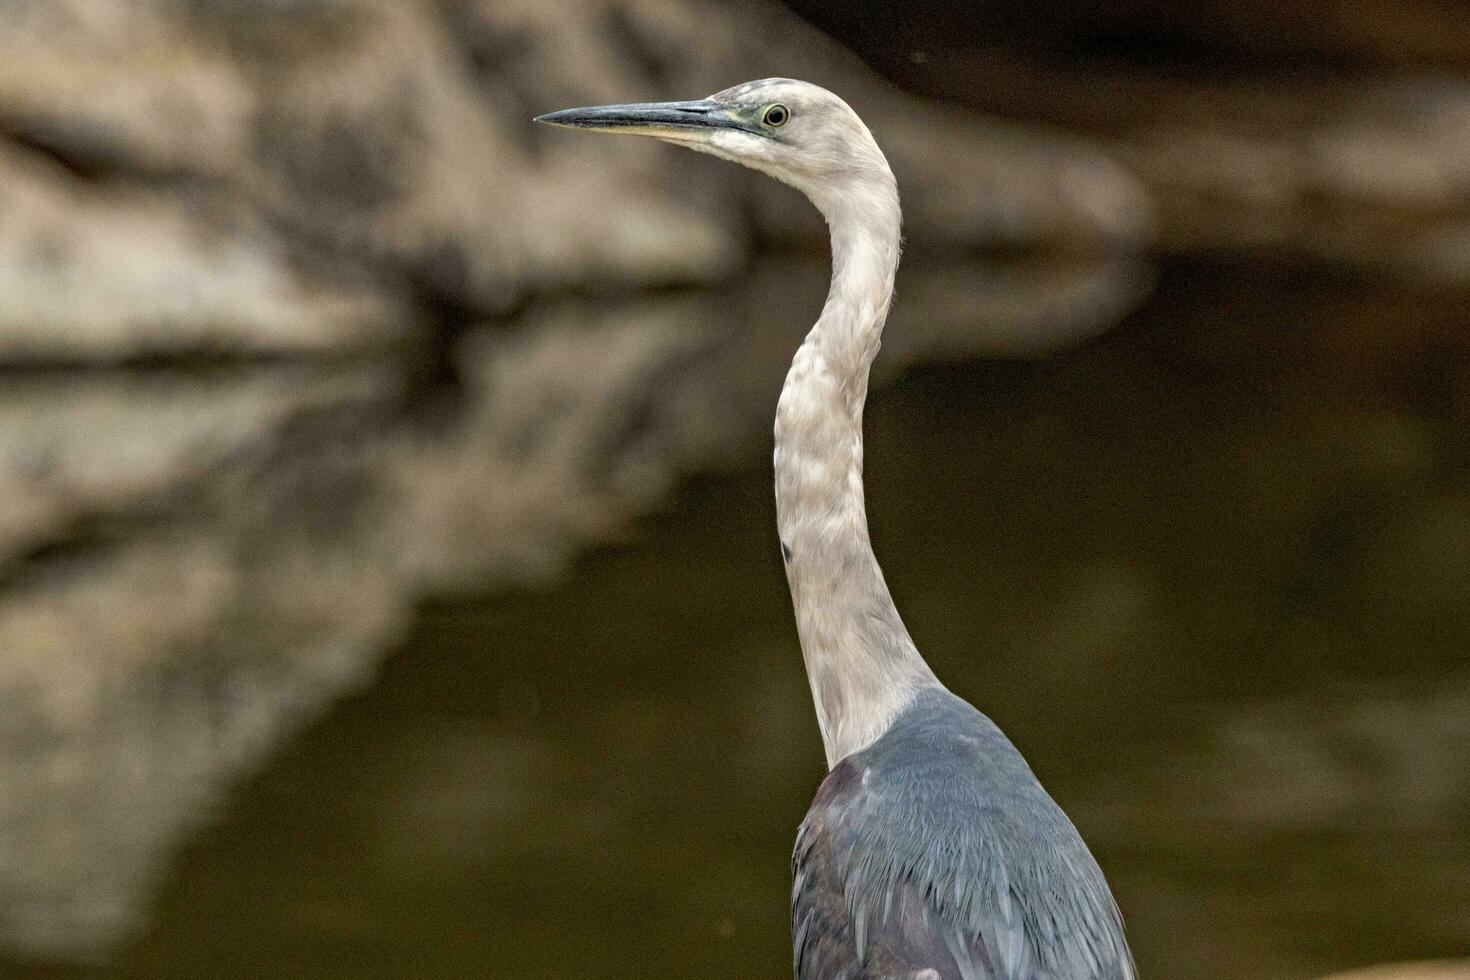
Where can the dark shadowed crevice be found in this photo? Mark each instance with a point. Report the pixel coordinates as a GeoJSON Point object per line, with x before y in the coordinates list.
{"type": "Point", "coordinates": [80, 155]}
{"type": "Point", "coordinates": [434, 388]}
{"type": "Point", "coordinates": [88, 151]}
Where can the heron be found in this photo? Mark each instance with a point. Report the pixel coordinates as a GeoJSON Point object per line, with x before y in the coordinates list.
{"type": "Point", "coordinates": [930, 851]}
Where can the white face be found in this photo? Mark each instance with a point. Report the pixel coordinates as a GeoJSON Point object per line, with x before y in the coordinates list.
{"type": "Point", "coordinates": [797, 132]}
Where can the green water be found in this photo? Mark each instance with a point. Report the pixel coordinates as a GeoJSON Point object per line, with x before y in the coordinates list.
{"type": "Point", "coordinates": [1209, 572]}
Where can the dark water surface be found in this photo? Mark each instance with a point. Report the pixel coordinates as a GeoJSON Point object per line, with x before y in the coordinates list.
{"type": "Point", "coordinates": [1209, 572]}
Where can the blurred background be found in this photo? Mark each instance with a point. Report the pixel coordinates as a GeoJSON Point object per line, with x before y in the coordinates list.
{"type": "Point", "coordinates": [388, 574]}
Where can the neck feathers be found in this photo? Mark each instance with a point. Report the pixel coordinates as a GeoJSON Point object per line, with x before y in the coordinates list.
{"type": "Point", "coordinates": [862, 666]}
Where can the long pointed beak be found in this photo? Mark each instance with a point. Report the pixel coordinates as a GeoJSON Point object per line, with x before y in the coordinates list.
{"type": "Point", "coordinates": [670, 119]}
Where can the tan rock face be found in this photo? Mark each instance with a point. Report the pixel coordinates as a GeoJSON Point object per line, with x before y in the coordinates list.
{"type": "Point", "coordinates": [99, 274]}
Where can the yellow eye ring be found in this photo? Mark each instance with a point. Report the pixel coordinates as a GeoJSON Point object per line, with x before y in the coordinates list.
{"type": "Point", "coordinates": [775, 116]}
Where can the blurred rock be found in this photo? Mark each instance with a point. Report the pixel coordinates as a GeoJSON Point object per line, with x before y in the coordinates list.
{"type": "Point", "coordinates": [100, 274]}
{"type": "Point", "coordinates": [243, 149]}
{"type": "Point", "coordinates": [1377, 176]}
{"type": "Point", "coordinates": [1332, 131]}
{"type": "Point", "coordinates": [1364, 172]}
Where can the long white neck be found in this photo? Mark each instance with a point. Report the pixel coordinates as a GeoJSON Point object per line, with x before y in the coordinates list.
{"type": "Point", "coordinates": [862, 666]}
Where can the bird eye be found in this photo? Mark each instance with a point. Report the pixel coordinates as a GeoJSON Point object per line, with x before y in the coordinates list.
{"type": "Point", "coordinates": [775, 115]}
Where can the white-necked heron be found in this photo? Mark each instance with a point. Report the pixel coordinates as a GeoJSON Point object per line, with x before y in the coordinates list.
{"type": "Point", "coordinates": [931, 852]}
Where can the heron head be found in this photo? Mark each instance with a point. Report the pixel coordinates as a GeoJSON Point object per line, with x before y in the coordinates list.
{"type": "Point", "coordinates": [797, 132]}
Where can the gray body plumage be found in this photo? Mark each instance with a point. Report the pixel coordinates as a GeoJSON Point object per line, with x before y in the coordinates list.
{"type": "Point", "coordinates": [931, 851]}
{"type": "Point", "coordinates": [934, 854]}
